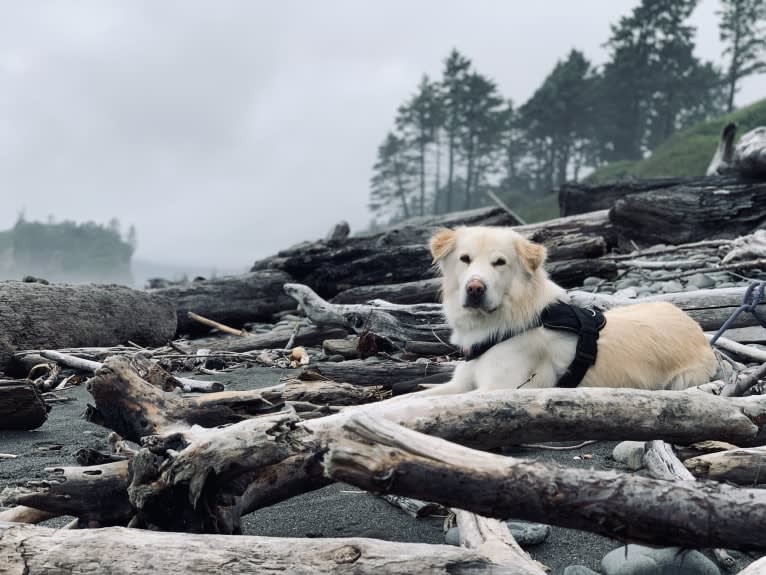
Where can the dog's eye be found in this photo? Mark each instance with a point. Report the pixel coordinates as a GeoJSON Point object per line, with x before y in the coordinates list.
{"type": "Point", "coordinates": [465, 258]}
{"type": "Point", "coordinates": [499, 262]}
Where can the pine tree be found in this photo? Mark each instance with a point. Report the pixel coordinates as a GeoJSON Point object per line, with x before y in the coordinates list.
{"type": "Point", "coordinates": [391, 186]}
{"type": "Point", "coordinates": [453, 84]}
{"type": "Point", "coordinates": [743, 30]}
{"type": "Point", "coordinates": [419, 120]}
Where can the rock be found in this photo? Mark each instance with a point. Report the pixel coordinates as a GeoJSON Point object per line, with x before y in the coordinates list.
{"type": "Point", "coordinates": [452, 536]}
{"type": "Point", "coordinates": [630, 454]}
{"type": "Point", "coordinates": [628, 292]}
{"type": "Point", "coordinates": [672, 287]}
{"type": "Point", "coordinates": [348, 348]}
{"type": "Point", "coordinates": [701, 281]}
{"type": "Point", "coordinates": [627, 283]}
{"type": "Point", "coordinates": [339, 232]}
{"type": "Point", "coordinates": [640, 560]}
{"type": "Point", "coordinates": [527, 533]}
{"type": "Point", "coordinates": [591, 281]}
{"type": "Point", "coordinates": [336, 358]}
{"type": "Point", "coordinates": [643, 290]}
{"type": "Point", "coordinates": [578, 570]}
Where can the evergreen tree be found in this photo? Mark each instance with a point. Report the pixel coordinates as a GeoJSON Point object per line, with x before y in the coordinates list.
{"type": "Point", "coordinates": [392, 180]}
{"type": "Point", "coordinates": [456, 70]}
{"type": "Point", "coordinates": [743, 31]}
{"type": "Point", "coordinates": [419, 120]}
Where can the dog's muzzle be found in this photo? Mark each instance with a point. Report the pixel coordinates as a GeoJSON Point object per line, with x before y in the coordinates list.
{"type": "Point", "coordinates": [475, 290]}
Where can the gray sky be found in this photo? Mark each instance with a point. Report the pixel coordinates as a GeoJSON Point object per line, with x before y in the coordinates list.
{"type": "Point", "coordinates": [226, 130]}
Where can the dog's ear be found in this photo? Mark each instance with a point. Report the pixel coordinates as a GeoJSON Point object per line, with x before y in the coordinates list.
{"type": "Point", "coordinates": [442, 243]}
{"type": "Point", "coordinates": [532, 255]}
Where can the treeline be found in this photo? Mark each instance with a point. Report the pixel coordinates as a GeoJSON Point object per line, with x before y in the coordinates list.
{"type": "Point", "coordinates": [68, 251]}
{"type": "Point", "coordinates": [458, 137]}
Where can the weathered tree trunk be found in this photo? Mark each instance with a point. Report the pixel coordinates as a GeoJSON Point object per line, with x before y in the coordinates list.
{"type": "Point", "coordinates": [39, 316]}
{"type": "Point", "coordinates": [307, 335]}
{"type": "Point", "coordinates": [21, 406]}
{"type": "Point", "coordinates": [40, 551]}
{"type": "Point", "coordinates": [421, 291]}
{"type": "Point", "coordinates": [383, 373]}
{"type": "Point", "coordinates": [231, 300]}
{"type": "Point", "coordinates": [580, 198]}
{"type": "Point", "coordinates": [691, 212]}
{"type": "Point", "coordinates": [401, 253]}
{"type": "Point", "coordinates": [381, 456]}
{"type": "Point", "coordinates": [97, 495]}
{"type": "Point", "coordinates": [743, 466]}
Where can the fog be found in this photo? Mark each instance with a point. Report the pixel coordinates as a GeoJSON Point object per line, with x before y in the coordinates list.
{"type": "Point", "coordinates": [228, 130]}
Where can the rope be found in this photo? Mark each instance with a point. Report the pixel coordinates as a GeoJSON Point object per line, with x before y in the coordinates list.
{"type": "Point", "coordinates": [752, 298]}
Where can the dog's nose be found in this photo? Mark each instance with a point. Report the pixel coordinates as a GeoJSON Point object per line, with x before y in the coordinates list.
{"type": "Point", "coordinates": [475, 290]}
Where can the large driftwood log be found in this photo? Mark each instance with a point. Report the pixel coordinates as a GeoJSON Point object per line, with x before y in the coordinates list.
{"type": "Point", "coordinates": [21, 406]}
{"type": "Point", "coordinates": [420, 291]}
{"type": "Point", "coordinates": [580, 198]}
{"type": "Point", "coordinates": [381, 456]}
{"type": "Point", "coordinates": [204, 479]}
{"type": "Point", "coordinates": [308, 335]}
{"type": "Point", "coordinates": [401, 255]}
{"type": "Point", "coordinates": [40, 551]}
{"type": "Point", "coordinates": [39, 316]}
{"type": "Point", "coordinates": [384, 373]}
{"type": "Point", "coordinates": [231, 300]}
{"type": "Point", "coordinates": [691, 212]}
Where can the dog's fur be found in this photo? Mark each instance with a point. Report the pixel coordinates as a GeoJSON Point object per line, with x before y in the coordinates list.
{"type": "Point", "coordinates": [645, 346]}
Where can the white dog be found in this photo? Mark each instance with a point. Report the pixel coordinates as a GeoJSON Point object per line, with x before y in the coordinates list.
{"type": "Point", "coordinates": [494, 292]}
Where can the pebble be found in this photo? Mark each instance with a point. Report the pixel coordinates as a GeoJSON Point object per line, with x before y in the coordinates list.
{"type": "Point", "coordinates": [640, 560]}
{"type": "Point", "coordinates": [526, 533]}
{"type": "Point", "coordinates": [578, 570]}
{"type": "Point", "coordinates": [337, 358]}
{"type": "Point", "coordinates": [672, 287]}
{"type": "Point", "coordinates": [630, 454]}
{"type": "Point", "coordinates": [591, 281]}
{"type": "Point", "coordinates": [422, 360]}
{"type": "Point", "coordinates": [701, 281]}
{"type": "Point", "coordinates": [627, 283]}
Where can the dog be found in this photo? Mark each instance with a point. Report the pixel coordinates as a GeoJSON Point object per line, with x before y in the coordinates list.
{"type": "Point", "coordinates": [494, 284]}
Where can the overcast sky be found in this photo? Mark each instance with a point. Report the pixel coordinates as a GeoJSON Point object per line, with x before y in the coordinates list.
{"type": "Point", "coordinates": [227, 130]}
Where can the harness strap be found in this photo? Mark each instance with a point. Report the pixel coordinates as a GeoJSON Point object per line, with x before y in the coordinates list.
{"type": "Point", "coordinates": [583, 322]}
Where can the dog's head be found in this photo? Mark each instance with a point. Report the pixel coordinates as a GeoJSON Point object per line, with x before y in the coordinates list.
{"type": "Point", "coordinates": [488, 271]}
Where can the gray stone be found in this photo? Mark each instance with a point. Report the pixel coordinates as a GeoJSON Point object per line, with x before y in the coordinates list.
{"type": "Point", "coordinates": [526, 533]}
{"type": "Point", "coordinates": [701, 281]}
{"type": "Point", "coordinates": [630, 454]}
{"type": "Point", "coordinates": [452, 536]}
{"type": "Point", "coordinates": [578, 570]}
{"type": "Point", "coordinates": [627, 282]}
{"type": "Point", "coordinates": [640, 560]}
{"type": "Point", "coordinates": [591, 281]}
{"type": "Point", "coordinates": [345, 347]}
{"type": "Point", "coordinates": [339, 232]}
{"type": "Point", "coordinates": [336, 358]}
{"type": "Point", "coordinates": [672, 287]}
{"type": "Point", "coordinates": [628, 292]}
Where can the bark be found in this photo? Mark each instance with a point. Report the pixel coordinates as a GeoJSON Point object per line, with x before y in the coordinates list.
{"type": "Point", "coordinates": [420, 291]}
{"type": "Point", "coordinates": [231, 300]}
{"type": "Point", "coordinates": [55, 316]}
{"type": "Point", "coordinates": [41, 551]}
{"type": "Point", "coordinates": [688, 212]}
{"type": "Point", "coordinates": [742, 466]}
{"type": "Point", "coordinates": [381, 456]}
{"type": "Point", "coordinates": [383, 373]}
{"type": "Point", "coordinates": [21, 406]}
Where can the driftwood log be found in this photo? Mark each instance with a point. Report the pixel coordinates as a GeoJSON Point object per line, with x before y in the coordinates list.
{"type": "Point", "coordinates": [56, 316]}
{"type": "Point", "coordinates": [742, 466]}
{"type": "Point", "coordinates": [692, 211]}
{"type": "Point", "coordinates": [21, 406]}
{"type": "Point", "coordinates": [401, 254]}
{"type": "Point", "coordinates": [231, 300]}
{"type": "Point", "coordinates": [381, 456]}
{"type": "Point", "coordinates": [41, 551]}
{"type": "Point", "coordinates": [198, 479]}
{"type": "Point", "coordinates": [308, 335]}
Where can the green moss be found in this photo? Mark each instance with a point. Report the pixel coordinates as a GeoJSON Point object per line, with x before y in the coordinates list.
{"type": "Point", "coordinates": [686, 153]}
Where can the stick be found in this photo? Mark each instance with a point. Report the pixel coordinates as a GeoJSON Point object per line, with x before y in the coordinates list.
{"type": "Point", "coordinates": [744, 383]}
{"type": "Point", "coordinates": [502, 205]}
{"type": "Point", "coordinates": [740, 349]}
{"type": "Point", "coordinates": [216, 325]}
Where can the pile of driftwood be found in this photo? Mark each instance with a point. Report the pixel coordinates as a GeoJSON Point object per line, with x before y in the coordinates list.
{"type": "Point", "coordinates": [357, 319]}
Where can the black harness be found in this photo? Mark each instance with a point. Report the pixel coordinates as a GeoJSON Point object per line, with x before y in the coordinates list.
{"type": "Point", "coordinates": [584, 322]}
